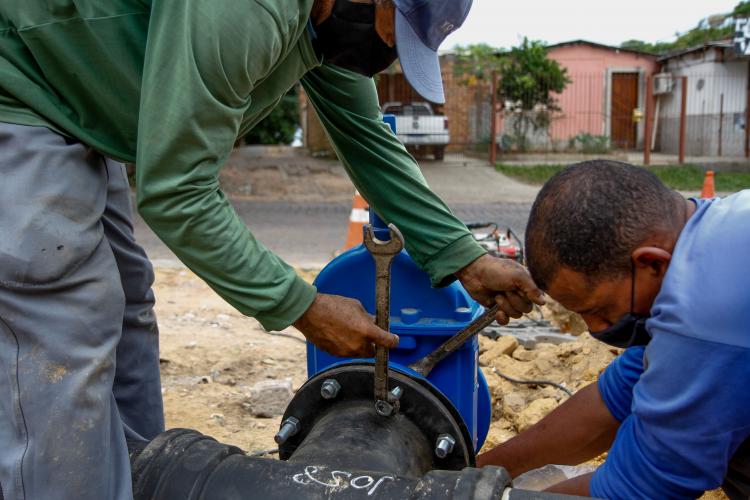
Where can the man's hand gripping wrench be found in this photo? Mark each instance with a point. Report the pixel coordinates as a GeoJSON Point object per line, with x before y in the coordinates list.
{"type": "Point", "coordinates": [383, 252]}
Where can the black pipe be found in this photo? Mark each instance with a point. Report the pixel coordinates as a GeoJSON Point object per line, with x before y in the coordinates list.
{"type": "Point", "coordinates": [183, 464]}
{"type": "Point", "coordinates": [186, 465]}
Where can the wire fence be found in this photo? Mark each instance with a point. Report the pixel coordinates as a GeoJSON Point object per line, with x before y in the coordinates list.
{"type": "Point", "coordinates": [579, 118]}
{"type": "Point", "coordinates": [464, 121]}
{"type": "Point", "coordinates": [715, 116]}
{"type": "Point", "coordinates": [597, 113]}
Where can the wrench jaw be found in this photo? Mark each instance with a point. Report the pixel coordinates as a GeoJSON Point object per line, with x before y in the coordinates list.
{"type": "Point", "coordinates": [396, 235]}
{"type": "Point", "coordinates": [390, 247]}
{"type": "Point", "coordinates": [390, 406]}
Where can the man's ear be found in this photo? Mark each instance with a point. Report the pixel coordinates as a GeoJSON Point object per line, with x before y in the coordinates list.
{"type": "Point", "coordinates": [321, 10]}
{"type": "Point", "coordinates": [653, 260]}
{"type": "Point", "coordinates": [385, 21]}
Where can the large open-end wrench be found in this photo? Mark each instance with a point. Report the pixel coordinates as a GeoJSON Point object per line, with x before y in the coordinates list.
{"type": "Point", "coordinates": [425, 365]}
{"type": "Point", "coordinates": [383, 253]}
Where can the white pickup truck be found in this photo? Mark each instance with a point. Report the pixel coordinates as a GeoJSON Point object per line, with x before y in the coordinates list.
{"type": "Point", "coordinates": [419, 128]}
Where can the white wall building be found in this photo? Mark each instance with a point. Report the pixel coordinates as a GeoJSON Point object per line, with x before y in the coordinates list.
{"type": "Point", "coordinates": [717, 100]}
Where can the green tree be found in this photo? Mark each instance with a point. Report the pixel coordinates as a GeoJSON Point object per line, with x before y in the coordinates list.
{"type": "Point", "coordinates": [476, 62]}
{"type": "Point", "coordinates": [650, 48]}
{"type": "Point", "coordinates": [712, 28]}
{"type": "Point", "coordinates": [742, 9]}
{"type": "Point", "coordinates": [528, 83]}
{"type": "Point", "coordinates": [279, 126]}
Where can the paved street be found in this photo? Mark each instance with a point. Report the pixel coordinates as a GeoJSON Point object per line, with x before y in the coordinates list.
{"type": "Point", "coordinates": [307, 233]}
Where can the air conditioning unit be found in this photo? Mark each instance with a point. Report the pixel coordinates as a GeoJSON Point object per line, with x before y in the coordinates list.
{"type": "Point", "coordinates": [663, 83]}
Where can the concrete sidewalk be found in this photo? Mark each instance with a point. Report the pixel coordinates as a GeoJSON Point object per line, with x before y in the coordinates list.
{"type": "Point", "coordinates": [461, 179]}
{"type": "Point", "coordinates": [299, 178]}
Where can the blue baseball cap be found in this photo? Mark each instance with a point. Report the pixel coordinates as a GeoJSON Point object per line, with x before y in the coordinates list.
{"type": "Point", "coordinates": [421, 26]}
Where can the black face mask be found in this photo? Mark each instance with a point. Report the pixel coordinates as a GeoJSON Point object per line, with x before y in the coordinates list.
{"type": "Point", "coordinates": [348, 39]}
{"type": "Point", "coordinates": [630, 329]}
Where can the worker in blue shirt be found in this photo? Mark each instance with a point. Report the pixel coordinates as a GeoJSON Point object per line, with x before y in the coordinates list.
{"type": "Point", "coordinates": [669, 280]}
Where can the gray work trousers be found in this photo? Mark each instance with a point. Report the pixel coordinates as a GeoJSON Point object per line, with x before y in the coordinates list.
{"type": "Point", "coordinates": [79, 360]}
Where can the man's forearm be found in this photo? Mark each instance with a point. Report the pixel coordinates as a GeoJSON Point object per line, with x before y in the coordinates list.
{"type": "Point", "coordinates": [576, 431]}
{"type": "Point", "coordinates": [578, 485]}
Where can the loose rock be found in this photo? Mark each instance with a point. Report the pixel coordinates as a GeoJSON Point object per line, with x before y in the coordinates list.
{"type": "Point", "coordinates": [521, 354]}
{"type": "Point", "coordinates": [269, 398]}
{"type": "Point", "coordinates": [514, 402]}
{"type": "Point", "coordinates": [534, 413]}
{"type": "Point", "coordinates": [502, 346]}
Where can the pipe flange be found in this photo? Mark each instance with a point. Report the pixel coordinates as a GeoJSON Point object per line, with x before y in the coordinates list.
{"type": "Point", "coordinates": [419, 401]}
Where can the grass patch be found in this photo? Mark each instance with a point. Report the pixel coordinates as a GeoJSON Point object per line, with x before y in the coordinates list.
{"type": "Point", "coordinates": [530, 174]}
{"type": "Point", "coordinates": [684, 178]}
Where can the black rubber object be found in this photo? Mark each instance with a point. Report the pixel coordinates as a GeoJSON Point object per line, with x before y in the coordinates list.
{"type": "Point", "coordinates": [186, 465]}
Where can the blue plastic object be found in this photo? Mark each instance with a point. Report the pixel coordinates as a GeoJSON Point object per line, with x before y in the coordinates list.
{"type": "Point", "coordinates": [391, 121]}
{"type": "Point", "coordinates": [422, 316]}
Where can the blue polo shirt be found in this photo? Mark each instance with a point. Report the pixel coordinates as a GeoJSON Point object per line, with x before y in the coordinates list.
{"type": "Point", "coordinates": [684, 400]}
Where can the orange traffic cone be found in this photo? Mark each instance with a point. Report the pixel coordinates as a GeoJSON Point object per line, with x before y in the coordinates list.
{"type": "Point", "coordinates": [708, 190]}
{"type": "Point", "coordinates": [359, 216]}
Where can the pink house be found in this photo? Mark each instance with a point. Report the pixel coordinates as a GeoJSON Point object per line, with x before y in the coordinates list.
{"type": "Point", "coordinates": [604, 99]}
{"type": "Point", "coordinates": [608, 84]}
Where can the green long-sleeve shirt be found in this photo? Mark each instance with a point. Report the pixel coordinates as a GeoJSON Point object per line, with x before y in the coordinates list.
{"type": "Point", "coordinates": [170, 85]}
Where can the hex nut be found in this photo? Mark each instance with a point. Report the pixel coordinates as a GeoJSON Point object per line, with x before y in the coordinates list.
{"type": "Point", "coordinates": [330, 388]}
{"type": "Point", "coordinates": [444, 445]}
{"type": "Point", "coordinates": [384, 408]}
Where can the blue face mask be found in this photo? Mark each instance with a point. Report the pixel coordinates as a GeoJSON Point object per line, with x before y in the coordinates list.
{"type": "Point", "coordinates": [630, 329]}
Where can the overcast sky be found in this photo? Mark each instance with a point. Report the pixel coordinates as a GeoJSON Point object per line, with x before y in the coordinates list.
{"type": "Point", "coordinates": [502, 23]}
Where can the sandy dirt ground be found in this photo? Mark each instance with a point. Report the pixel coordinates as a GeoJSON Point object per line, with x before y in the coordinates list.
{"type": "Point", "coordinates": [289, 177]}
{"type": "Point", "coordinates": [211, 356]}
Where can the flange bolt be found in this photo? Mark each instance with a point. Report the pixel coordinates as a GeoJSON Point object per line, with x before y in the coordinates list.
{"type": "Point", "coordinates": [397, 392]}
{"type": "Point", "coordinates": [444, 446]}
{"type": "Point", "coordinates": [289, 428]}
{"type": "Point", "coordinates": [330, 388]}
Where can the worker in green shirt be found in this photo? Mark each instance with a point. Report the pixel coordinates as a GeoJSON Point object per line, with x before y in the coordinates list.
{"type": "Point", "coordinates": [170, 86]}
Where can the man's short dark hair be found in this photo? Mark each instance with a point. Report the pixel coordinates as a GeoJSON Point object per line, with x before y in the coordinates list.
{"type": "Point", "coordinates": [591, 216]}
